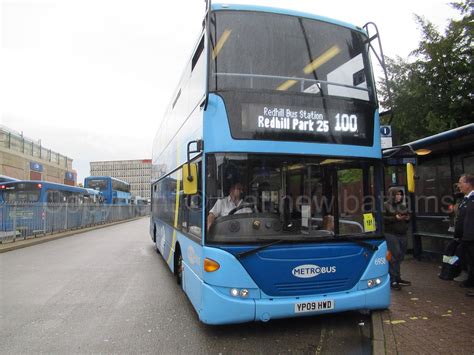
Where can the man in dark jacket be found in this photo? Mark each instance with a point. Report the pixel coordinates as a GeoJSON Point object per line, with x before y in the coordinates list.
{"type": "Point", "coordinates": [396, 220]}
{"type": "Point", "coordinates": [464, 227]}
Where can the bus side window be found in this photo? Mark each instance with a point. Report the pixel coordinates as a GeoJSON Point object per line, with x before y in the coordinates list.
{"type": "Point", "coordinates": [183, 213]}
{"type": "Point", "coordinates": [55, 196]}
{"type": "Point", "coordinates": [73, 198]}
{"type": "Point", "coordinates": [192, 208]}
{"type": "Point", "coordinates": [63, 196]}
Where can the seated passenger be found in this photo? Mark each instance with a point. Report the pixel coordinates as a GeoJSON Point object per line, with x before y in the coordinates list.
{"type": "Point", "coordinates": [224, 205]}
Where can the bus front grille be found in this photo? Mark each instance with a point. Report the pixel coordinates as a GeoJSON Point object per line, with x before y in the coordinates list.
{"type": "Point", "coordinates": [295, 288]}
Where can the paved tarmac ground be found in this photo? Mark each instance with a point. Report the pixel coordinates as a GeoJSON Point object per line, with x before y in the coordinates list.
{"type": "Point", "coordinates": [107, 291]}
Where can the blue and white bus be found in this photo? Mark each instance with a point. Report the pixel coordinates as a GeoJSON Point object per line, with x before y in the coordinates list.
{"type": "Point", "coordinates": [33, 206]}
{"type": "Point", "coordinates": [114, 191]}
{"type": "Point", "coordinates": [283, 103]}
{"type": "Point", "coordinates": [24, 192]}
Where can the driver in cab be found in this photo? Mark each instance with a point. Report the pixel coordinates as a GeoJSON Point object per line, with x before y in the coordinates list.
{"type": "Point", "coordinates": [224, 205]}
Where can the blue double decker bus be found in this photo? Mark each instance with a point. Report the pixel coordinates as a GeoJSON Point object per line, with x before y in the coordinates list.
{"type": "Point", "coordinates": [114, 191]}
{"type": "Point", "coordinates": [266, 201]}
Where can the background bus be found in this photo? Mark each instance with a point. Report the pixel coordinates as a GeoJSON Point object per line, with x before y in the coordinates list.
{"type": "Point", "coordinates": [23, 192]}
{"type": "Point", "coordinates": [32, 207]}
{"type": "Point", "coordinates": [95, 197]}
{"type": "Point", "coordinates": [296, 124]}
{"type": "Point", "coordinates": [114, 191]}
{"type": "Point", "coordinates": [139, 201]}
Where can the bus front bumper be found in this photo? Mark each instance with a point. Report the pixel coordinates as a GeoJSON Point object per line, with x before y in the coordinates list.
{"type": "Point", "coordinates": [219, 308]}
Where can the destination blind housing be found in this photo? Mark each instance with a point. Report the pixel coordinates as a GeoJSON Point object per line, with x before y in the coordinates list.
{"type": "Point", "coordinates": [323, 121]}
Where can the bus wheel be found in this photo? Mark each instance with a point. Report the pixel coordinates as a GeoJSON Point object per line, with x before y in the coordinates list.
{"type": "Point", "coordinates": [155, 240]}
{"type": "Point", "coordinates": [179, 268]}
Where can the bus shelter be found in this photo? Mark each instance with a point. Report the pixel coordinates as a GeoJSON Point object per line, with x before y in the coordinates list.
{"type": "Point", "coordinates": [439, 160]}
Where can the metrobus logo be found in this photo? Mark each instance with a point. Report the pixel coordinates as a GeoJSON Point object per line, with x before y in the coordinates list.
{"type": "Point", "coordinates": [310, 270]}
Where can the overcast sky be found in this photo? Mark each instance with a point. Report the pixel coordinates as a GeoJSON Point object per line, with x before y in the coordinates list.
{"type": "Point", "coordinates": [92, 78]}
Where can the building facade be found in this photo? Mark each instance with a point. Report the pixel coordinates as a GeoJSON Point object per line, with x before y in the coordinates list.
{"type": "Point", "coordinates": [136, 172]}
{"type": "Point", "coordinates": [26, 159]}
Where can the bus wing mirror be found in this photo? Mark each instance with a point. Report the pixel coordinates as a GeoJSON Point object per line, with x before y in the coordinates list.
{"type": "Point", "coordinates": [189, 174]}
{"type": "Point", "coordinates": [410, 177]}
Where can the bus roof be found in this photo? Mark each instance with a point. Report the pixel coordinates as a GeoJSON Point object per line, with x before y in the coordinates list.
{"type": "Point", "coordinates": [241, 7]}
{"type": "Point", "coordinates": [4, 178]}
{"type": "Point", "coordinates": [46, 184]}
{"type": "Point", "coordinates": [106, 177]}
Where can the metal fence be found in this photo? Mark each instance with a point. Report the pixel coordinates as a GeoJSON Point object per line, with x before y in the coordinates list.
{"type": "Point", "coordinates": [20, 221]}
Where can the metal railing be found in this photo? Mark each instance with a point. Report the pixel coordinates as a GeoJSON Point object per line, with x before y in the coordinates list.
{"type": "Point", "coordinates": [21, 221]}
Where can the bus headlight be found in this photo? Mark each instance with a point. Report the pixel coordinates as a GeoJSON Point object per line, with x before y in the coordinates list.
{"type": "Point", "coordinates": [235, 292]}
{"type": "Point", "coordinates": [244, 293]}
{"type": "Point", "coordinates": [373, 282]}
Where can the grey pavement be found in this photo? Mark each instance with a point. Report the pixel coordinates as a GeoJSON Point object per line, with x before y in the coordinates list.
{"type": "Point", "coordinates": [432, 316]}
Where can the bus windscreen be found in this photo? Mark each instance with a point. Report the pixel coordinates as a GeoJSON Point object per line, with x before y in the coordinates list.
{"type": "Point", "coordinates": [97, 184]}
{"type": "Point", "coordinates": [302, 79]}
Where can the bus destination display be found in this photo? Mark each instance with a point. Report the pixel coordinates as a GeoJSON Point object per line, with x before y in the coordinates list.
{"type": "Point", "coordinates": [298, 120]}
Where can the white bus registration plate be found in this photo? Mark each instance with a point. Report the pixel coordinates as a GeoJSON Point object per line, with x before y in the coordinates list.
{"type": "Point", "coordinates": [314, 306]}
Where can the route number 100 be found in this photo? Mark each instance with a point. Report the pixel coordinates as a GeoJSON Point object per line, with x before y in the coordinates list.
{"type": "Point", "coordinates": [346, 123]}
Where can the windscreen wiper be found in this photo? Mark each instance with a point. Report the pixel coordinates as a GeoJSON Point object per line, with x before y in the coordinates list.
{"type": "Point", "coordinates": [278, 241]}
{"type": "Point", "coordinates": [357, 241]}
{"type": "Point", "coordinates": [252, 251]}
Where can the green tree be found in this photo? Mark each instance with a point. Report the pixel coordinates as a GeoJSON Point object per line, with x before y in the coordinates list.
{"type": "Point", "coordinates": [434, 91]}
